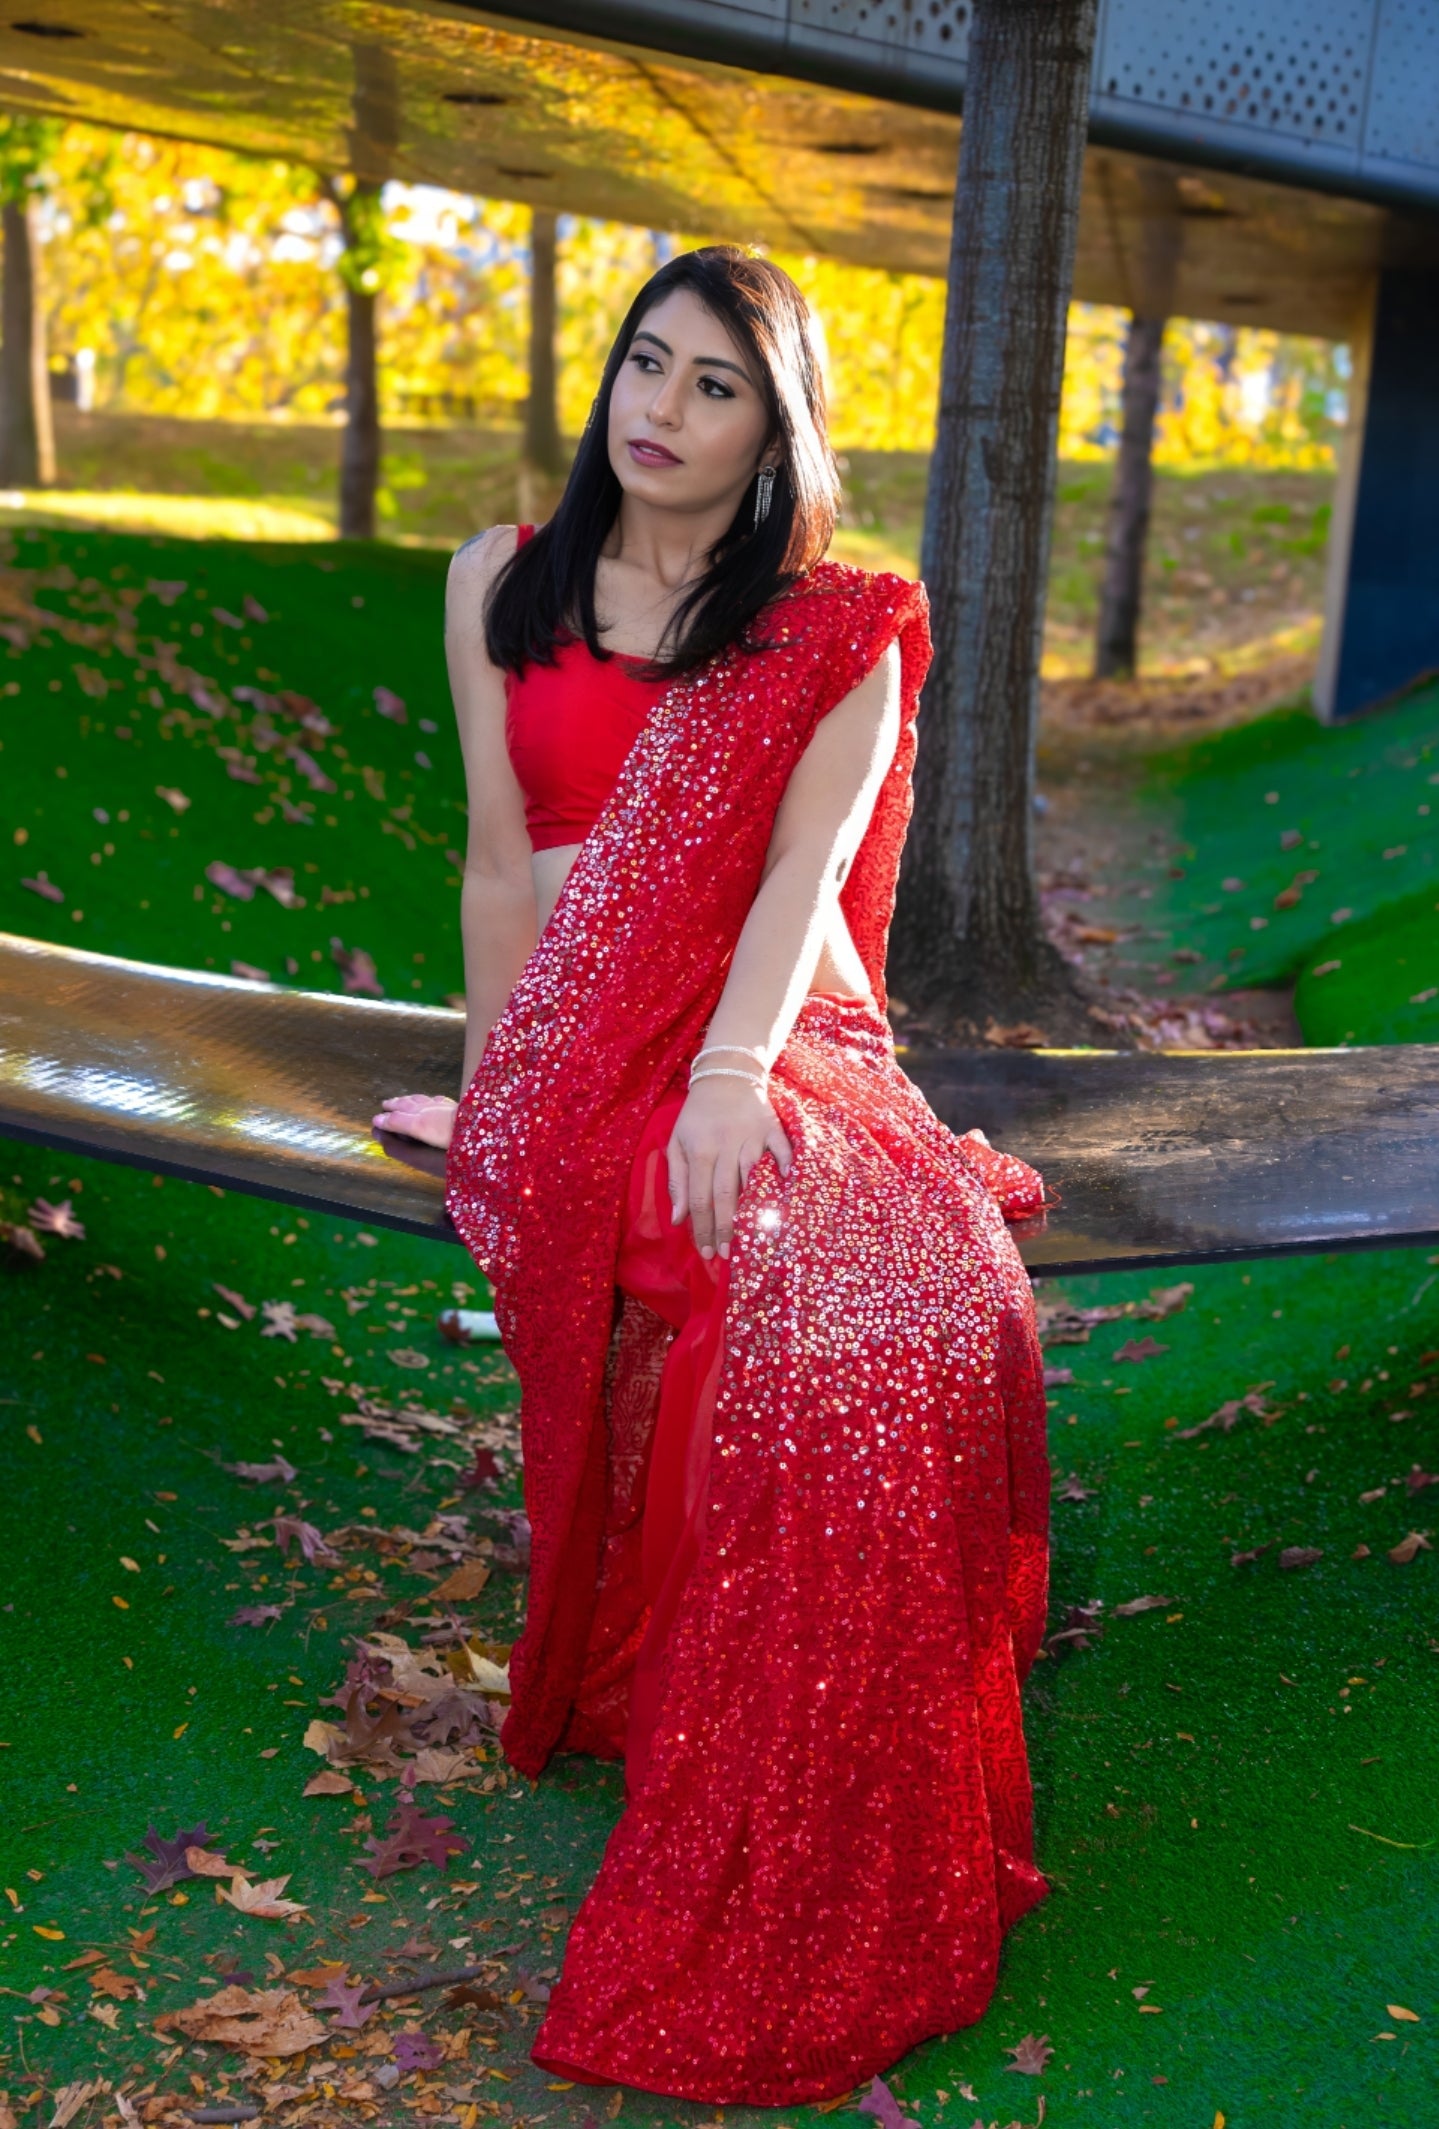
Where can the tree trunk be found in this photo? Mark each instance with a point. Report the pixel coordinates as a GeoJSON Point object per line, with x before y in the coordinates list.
{"type": "Point", "coordinates": [27, 446]}
{"type": "Point", "coordinates": [360, 450]}
{"type": "Point", "coordinates": [967, 941]}
{"type": "Point", "coordinates": [1117, 634]}
{"type": "Point", "coordinates": [542, 424]}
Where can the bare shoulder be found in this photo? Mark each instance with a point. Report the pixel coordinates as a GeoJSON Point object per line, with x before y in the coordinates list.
{"type": "Point", "coordinates": [473, 569]}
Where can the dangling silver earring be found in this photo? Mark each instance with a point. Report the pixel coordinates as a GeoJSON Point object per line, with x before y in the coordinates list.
{"type": "Point", "coordinates": [763, 491]}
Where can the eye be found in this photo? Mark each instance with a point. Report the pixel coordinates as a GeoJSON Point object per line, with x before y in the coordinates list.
{"type": "Point", "coordinates": [714, 389]}
{"type": "Point", "coordinates": [642, 357]}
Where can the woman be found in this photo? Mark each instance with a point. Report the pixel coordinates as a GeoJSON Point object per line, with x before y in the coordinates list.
{"type": "Point", "coordinates": [782, 1405]}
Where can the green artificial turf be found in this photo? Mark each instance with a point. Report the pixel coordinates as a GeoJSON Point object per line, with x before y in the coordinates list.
{"type": "Point", "coordinates": [95, 721]}
{"type": "Point", "coordinates": [1249, 812]}
{"type": "Point", "coordinates": [1380, 981]}
{"type": "Point", "coordinates": [1200, 1774]}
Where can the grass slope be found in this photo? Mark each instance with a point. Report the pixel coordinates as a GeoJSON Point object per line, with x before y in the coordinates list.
{"type": "Point", "coordinates": [1296, 843]}
{"type": "Point", "coordinates": [1200, 1769]}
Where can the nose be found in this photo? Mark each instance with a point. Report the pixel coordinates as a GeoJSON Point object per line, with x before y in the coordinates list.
{"type": "Point", "coordinates": [665, 401]}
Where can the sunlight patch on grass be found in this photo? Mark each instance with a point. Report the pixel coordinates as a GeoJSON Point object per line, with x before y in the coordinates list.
{"type": "Point", "coordinates": [196, 517]}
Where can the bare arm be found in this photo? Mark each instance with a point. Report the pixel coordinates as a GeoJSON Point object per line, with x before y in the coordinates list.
{"type": "Point", "coordinates": [499, 916]}
{"type": "Point", "coordinates": [725, 1126]}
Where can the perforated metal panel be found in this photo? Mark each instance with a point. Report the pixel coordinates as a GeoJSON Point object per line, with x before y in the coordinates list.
{"type": "Point", "coordinates": [934, 30]}
{"type": "Point", "coordinates": [1403, 119]}
{"type": "Point", "coordinates": [1290, 68]}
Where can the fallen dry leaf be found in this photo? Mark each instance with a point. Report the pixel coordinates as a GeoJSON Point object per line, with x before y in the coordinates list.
{"type": "Point", "coordinates": [319, 1977]}
{"type": "Point", "coordinates": [1030, 2054]}
{"type": "Point", "coordinates": [1300, 1556]}
{"type": "Point", "coordinates": [55, 1220]}
{"type": "Point", "coordinates": [466, 1582]}
{"type": "Point", "coordinates": [882, 2104]}
{"type": "Point", "coordinates": [1397, 2010]}
{"type": "Point", "coordinates": [344, 1997]}
{"type": "Point", "coordinates": [277, 1472]}
{"type": "Point", "coordinates": [328, 1782]}
{"type": "Point", "coordinates": [229, 881]}
{"type": "Point", "coordinates": [262, 1900]}
{"type": "Point", "coordinates": [106, 1982]}
{"type": "Point", "coordinates": [292, 1529]}
{"type": "Point", "coordinates": [1164, 1301]}
{"type": "Point", "coordinates": [209, 1863]}
{"type": "Point", "coordinates": [1140, 1604]}
{"type": "Point", "coordinates": [1402, 1553]}
{"type": "Point", "coordinates": [357, 970]}
{"type": "Point", "coordinates": [71, 2098]}
{"type": "Point", "coordinates": [1145, 1348]}
{"type": "Point", "coordinates": [257, 2021]}
{"type": "Point", "coordinates": [165, 1865]}
{"type": "Point", "coordinates": [1243, 1559]}
{"type": "Point", "coordinates": [236, 1301]}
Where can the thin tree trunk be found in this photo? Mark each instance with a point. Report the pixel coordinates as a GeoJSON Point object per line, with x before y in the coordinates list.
{"type": "Point", "coordinates": [27, 446]}
{"type": "Point", "coordinates": [1116, 642]}
{"type": "Point", "coordinates": [360, 449]}
{"type": "Point", "coordinates": [967, 940]}
{"type": "Point", "coordinates": [542, 424]}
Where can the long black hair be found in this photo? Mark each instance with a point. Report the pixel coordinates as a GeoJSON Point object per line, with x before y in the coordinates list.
{"type": "Point", "coordinates": [545, 596]}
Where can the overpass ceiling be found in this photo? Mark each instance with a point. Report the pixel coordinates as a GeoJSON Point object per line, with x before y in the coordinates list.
{"type": "Point", "coordinates": [484, 104]}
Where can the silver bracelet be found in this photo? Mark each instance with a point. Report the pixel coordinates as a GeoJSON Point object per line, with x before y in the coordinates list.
{"type": "Point", "coordinates": [742, 1049]}
{"type": "Point", "coordinates": [726, 1072]}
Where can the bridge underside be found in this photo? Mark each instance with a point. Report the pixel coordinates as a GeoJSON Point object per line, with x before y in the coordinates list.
{"type": "Point", "coordinates": [480, 104]}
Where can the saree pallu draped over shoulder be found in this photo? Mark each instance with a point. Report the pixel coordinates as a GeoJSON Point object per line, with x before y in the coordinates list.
{"type": "Point", "coordinates": [833, 1829]}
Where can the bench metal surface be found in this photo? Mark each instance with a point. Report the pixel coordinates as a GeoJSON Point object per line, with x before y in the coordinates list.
{"type": "Point", "coordinates": [1159, 1159]}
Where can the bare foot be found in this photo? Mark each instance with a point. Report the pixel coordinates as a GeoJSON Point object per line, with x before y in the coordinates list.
{"type": "Point", "coordinates": [428, 1117]}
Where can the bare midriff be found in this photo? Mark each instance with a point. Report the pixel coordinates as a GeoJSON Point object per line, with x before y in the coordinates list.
{"type": "Point", "coordinates": [838, 971]}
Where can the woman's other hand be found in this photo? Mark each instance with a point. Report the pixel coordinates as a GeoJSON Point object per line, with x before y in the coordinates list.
{"type": "Point", "coordinates": [428, 1117]}
{"type": "Point", "coordinates": [719, 1134]}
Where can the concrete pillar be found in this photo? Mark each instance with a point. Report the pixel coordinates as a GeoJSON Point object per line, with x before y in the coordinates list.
{"type": "Point", "coordinates": [1381, 607]}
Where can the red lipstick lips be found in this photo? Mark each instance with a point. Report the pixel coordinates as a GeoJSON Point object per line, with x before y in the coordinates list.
{"type": "Point", "coordinates": [647, 453]}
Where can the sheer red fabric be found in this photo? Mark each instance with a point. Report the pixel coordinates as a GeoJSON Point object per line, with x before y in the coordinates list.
{"type": "Point", "coordinates": [810, 1654]}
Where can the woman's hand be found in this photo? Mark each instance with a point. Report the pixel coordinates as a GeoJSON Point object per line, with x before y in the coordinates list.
{"type": "Point", "coordinates": [719, 1134]}
{"type": "Point", "coordinates": [428, 1117]}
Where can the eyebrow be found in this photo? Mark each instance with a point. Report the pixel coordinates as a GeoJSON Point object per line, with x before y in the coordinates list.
{"type": "Point", "coordinates": [707, 362]}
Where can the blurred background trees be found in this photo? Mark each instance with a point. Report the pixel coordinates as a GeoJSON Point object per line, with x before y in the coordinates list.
{"type": "Point", "coordinates": [209, 284]}
{"type": "Point", "coordinates": [27, 446]}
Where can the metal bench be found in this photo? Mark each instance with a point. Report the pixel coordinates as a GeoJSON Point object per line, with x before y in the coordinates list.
{"type": "Point", "coordinates": [1174, 1158]}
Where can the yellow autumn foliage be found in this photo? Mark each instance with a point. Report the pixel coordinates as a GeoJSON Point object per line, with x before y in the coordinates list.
{"type": "Point", "coordinates": [205, 285]}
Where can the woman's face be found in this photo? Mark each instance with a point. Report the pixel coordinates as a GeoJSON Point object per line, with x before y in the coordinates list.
{"type": "Point", "coordinates": [687, 421]}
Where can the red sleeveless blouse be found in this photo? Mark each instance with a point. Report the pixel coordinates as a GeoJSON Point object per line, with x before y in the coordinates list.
{"type": "Point", "coordinates": [568, 728]}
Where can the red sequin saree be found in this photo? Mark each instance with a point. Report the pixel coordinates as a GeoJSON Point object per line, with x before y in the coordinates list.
{"type": "Point", "coordinates": [834, 1825]}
